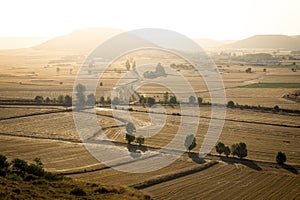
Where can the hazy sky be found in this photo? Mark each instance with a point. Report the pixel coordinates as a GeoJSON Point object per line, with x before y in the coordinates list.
{"type": "Point", "coordinates": [215, 19]}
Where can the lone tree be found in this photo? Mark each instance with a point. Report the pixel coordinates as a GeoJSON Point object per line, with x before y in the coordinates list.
{"type": "Point", "coordinates": [220, 148]}
{"type": "Point", "coordinates": [140, 140]}
{"type": "Point", "coordinates": [280, 158]}
{"type": "Point", "coordinates": [130, 130]}
{"type": "Point", "coordinates": [239, 149]}
{"type": "Point", "coordinates": [190, 142]}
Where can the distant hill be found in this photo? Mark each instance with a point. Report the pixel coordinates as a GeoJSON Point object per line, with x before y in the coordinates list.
{"type": "Point", "coordinates": [208, 43]}
{"type": "Point", "coordinates": [20, 42]}
{"type": "Point", "coordinates": [268, 42]}
{"type": "Point", "coordinates": [87, 40]}
{"type": "Point", "coordinates": [83, 40]}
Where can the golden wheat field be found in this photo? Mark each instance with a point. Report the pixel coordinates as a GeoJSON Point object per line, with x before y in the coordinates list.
{"type": "Point", "coordinates": [49, 132]}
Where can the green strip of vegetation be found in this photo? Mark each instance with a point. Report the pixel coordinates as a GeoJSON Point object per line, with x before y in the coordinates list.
{"type": "Point", "coordinates": [272, 85]}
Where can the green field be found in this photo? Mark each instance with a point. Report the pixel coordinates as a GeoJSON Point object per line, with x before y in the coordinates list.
{"type": "Point", "coordinates": [272, 85]}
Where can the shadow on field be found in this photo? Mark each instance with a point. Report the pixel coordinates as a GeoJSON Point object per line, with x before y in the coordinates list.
{"type": "Point", "coordinates": [248, 163]}
{"type": "Point", "coordinates": [195, 158]}
{"type": "Point", "coordinates": [136, 150]}
{"type": "Point", "coordinates": [290, 168]}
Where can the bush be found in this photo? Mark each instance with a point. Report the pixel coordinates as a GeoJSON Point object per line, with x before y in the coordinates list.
{"type": "Point", "coordinates": [19, 166]}
{"type": "Point", "coordinates": [3, 163]}
{"type": "Point", "coordinates": [78, 192]}
{"type": "Point", "coordinates": [30, 177]}
{"type": "Point", "coordinates": [280, 158]}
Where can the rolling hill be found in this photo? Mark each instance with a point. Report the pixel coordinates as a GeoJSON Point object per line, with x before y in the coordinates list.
{"type": "Point", "coordinates": [267, 42]}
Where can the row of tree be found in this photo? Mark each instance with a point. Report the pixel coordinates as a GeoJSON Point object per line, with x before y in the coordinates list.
{"type": "Point", "coordinates": [238, 149]}
{"type": "Point", "coordinates": [67, 99]}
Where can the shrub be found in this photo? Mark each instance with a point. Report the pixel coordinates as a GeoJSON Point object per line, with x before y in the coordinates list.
{"type": "Point", "coordinates": [30, 177]}
{"type": "Point", "coordinates": [3, 163]}
{"type": "Point", "coordinates": [280, 158]}
{"type": "Point", "coordinates": [78, 192]}
{"type": "Point", "coordinates": [20, 166]}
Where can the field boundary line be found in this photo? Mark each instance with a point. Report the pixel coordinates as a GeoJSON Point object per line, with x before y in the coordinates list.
{"type": "Point", "coordinates": [164, 178]}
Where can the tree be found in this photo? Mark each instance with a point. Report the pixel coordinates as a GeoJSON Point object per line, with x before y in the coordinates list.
{"type": "Point", "coordinates": [227, 151]}
{"type": "Point", "coordinates": [239, 149]}
{"type": "Point", "coordinates": [130, 130]}
{"type": "Point", "coordinates": [133, 65]}
{"type": "Point", "coordinates": [280, 158]}
{"type": "Point", "coordinates": [192, 99]}
{"type": "Point", "coordinates": [127, 65]}
{"type": "Point", "coordinates": [39, 99]}
{"type": "Point", "coordinates": [102, 100]}
{"type": "Point", "coordinates": [140, 140]}
{"type": "Point", "coordinates": [68, 100]}
{"type": "Point", "coordinates": [130, 138]}
{"type": "Point", "coordinates": [230, 104]}
{"type": "Point", "coordinates": [200, 100]}
{"type": "Point", "coordinates": [150, 101]}
{"type": "Point", "coordinates": [3, 165]}
{"type": "Point", "coordinates": [108, 100]}
{"type": "Point", "coordinates": [220, 148]}
{"type": "Point", "coordinates": [249, 70]}
{"type": "Point", "coordinates": [166, 97]}
{"type": "Point", "coordinates": [91, 99]}
{"type": "Point", "coordinates": [60, 99]}
{"type": "Point", "coordinates": [47, 100]}
{"type": "Point", "coordinates": [276, 109]}
{"type": "Point", "coordinates": [190, 142]}
{"type": "Point", "coordinates": [115, 101]}
{"type": "Point", "coordinates": [80, 90]}
{"type": "Point", "coordinates": [142, 99]}
{"type": "Point", "coordinates": [173, 100]}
